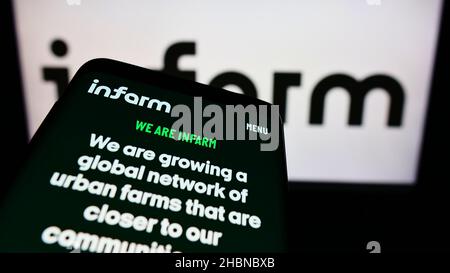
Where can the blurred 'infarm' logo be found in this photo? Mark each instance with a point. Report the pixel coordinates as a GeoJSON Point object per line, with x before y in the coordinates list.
{"type": "Point", "coordinates": [357, 88]}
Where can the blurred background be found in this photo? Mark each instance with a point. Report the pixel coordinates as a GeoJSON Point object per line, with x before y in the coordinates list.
{"type": "Point", "coordinates": [361, 85]}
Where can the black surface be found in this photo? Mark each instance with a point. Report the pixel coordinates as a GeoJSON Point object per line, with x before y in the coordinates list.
{"type": "Point", "coordinates": [14, 131]}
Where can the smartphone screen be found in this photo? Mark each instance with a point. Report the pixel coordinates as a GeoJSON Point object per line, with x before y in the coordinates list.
{"type": "Point", "coordinates": [122, 164]}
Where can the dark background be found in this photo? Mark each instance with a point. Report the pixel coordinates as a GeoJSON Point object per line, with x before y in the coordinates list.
{"type": "Point", "coordinates": [321, 217]}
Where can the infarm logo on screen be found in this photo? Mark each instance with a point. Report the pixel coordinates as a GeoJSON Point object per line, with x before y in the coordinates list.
{"type": "Point", "coordinates": [251, 121]}
{"type": "Point", "coordinates": [129, 97]}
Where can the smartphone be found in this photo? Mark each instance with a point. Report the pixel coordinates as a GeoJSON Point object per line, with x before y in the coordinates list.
{"type": "Point", "coordinates": [131, 160]}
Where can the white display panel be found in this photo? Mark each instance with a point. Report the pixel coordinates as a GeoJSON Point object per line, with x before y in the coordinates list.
{"type": "Point", "coordinates": [390, 43]}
